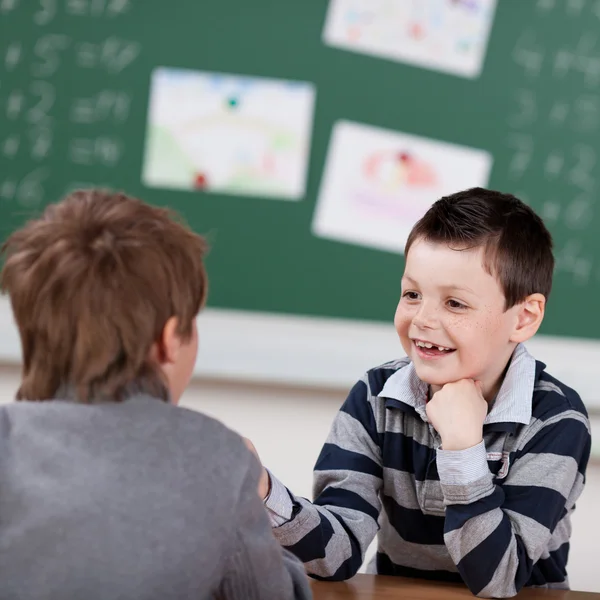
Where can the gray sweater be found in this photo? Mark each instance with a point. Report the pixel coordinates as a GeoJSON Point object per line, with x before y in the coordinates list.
{"type": "Point", "coordinates": [140, 500]}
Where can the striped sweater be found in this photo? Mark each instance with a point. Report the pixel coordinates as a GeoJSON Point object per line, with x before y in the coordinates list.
{"type": "Point", "coordinates": [496, 516]}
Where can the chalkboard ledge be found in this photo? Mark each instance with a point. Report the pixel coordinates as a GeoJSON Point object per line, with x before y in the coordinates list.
{"type": "Point", "coordinates": [324, 353]}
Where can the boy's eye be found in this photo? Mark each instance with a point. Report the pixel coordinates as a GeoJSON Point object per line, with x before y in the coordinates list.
{"type": "Point", "coordinates": [411, 295]}
{"type": "Point", "coordinates": [456, 304]}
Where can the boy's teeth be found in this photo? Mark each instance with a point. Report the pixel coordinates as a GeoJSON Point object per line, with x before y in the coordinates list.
{"type": "Point", "coordinates": [428, 345]}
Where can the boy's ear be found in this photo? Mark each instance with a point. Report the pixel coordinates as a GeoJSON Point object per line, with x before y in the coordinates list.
{"type": "Point", "coordinates": [166, 349]}
{"type": "Point", "coordinates": [529, 317]}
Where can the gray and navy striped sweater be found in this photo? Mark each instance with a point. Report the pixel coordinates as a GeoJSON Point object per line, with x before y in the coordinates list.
{"type": "Point", "coordinates": [496, 516]}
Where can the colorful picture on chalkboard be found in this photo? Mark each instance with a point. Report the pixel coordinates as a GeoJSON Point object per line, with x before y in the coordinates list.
{"type": "Point", "coordinates": [377, 183]}
{"type": "Point", "coordinates": [228, 133]}
{"type": "Point", "coordinates": [445, 35]}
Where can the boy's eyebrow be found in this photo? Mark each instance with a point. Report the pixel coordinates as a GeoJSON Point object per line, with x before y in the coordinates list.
{"type": "Point", "coordinates": [460, 288]}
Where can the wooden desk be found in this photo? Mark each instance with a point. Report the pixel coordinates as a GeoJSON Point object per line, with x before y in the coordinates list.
{"type": "Point", "coordinates": [378, 587]}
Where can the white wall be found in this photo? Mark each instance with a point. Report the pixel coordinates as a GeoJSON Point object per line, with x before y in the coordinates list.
{"type": "Point", "coordinates": [288, 427]}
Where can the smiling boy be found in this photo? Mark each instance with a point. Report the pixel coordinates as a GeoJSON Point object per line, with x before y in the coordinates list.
{"type": "Point", "coordinates": [466, 457]}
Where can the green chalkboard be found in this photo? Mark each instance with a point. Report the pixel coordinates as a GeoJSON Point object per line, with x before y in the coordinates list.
{"type": "Point", "coordinates": [75, 79]}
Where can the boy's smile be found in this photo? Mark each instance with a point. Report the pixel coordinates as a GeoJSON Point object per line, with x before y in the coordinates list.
{"type": "Point", "coordinates": [430, 350]}
{"type": "Point", "coordinates": [451, 317]}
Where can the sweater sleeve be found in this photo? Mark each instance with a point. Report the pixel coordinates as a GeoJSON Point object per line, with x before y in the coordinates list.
{"type": "Point", "coordinates": [258, 568]}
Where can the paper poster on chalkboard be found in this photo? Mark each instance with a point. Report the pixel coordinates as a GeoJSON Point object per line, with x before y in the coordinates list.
{"type": "Point", "coordinates": [228, 133]}
{"type": "Point", "coordinates": [445, 35]}
{"type": "Point", "coordinates": [377, 183]}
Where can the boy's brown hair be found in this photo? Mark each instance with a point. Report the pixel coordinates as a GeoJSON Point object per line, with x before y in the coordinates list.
{"type": "Point", "coordinates": [92, 283]}
{"type": "Point", "coordinates": [517, 245]}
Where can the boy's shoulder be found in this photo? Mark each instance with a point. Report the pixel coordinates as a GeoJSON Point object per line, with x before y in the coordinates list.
{"type": "Point", "coordinates": [193, 428]}
{"type": "Point", "coordinates": [552, 397]}
{"type": "Point", "coordinates": [149, 422]}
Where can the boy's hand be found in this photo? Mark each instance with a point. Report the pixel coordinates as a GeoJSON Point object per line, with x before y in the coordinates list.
{"type": "Point", "coordinates": [457, 412]}
{"type": "Point", "coordinates": [264, 484]}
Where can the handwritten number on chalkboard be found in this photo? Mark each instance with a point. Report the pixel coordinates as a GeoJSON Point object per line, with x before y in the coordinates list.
{"type": "Point", "coordinates": [527, 109]}
{"type": "Point", "coordinates": [579, 213]}
{"type": "Point", "coordinates": [587, 113]}
{"type": "Point", "coordinates": [546, 5]}
{"type": "Point", "coordinates": [41, 142]}
{"type": "Point", "coordinates": [581, 174]}
{"type": "Point", "coordinates": [528, 54]}
{"type": "Point", "coordinates": [46, 13]}
{"type": "Point", "coordinates": [13, 55]}
{"type": "Point", "coordinates": [30, 191]}
{"type": "Point", "coordinates": [11, 145]}
{"type": "Point", "coordinates": [523, 145]}
{"type": "Point", "coordinates": [48, 49]}
{"type": "Point", "coordinates": [554, 164]}
{"type": "Point", "coordinates": [7, 5]}
{"type": "Point", "coordinates": [46, 94]}
{"type": "Point", "coordinates": [570, 259]}
{"type": "Point", "coordinates": [574, 7]}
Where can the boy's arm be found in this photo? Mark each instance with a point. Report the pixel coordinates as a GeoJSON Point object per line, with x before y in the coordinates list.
{"type": "Point", "coordinates": [332, 534]}
{"type": "Point", "coordinates": [496, 533]}
{"type": "Point", "coordinates": [257, 567]}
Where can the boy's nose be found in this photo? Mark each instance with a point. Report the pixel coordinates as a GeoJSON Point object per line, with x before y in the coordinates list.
{"type": "Point", "coordinates": [426, 318]}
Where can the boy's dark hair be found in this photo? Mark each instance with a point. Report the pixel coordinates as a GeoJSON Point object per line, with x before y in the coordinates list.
{"type": "Point", "coordinates": [517, 245]}
{"type": "Point", "coordinates": [92, 283]}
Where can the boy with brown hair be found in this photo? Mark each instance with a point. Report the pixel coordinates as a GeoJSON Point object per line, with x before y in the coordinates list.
{"type": "Point", "coordinates": [466, 456]}
{"type": "Point", "coordinates": [108, 490]}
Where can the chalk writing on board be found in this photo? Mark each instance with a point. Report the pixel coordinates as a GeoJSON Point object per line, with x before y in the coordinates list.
{"type": "Point", "coordinates": [12, 55]}
{"type": "Point", "coordinates": [545, 5]}
{"type": "Point", "coordinates": [522, 144]}
{"type": "Point", "coordinates": [587, 114]}
{"type": "Point", "coordinates": [581, 114]}
{"type": "Point", "coordinates": [41, 139]}
{"type": "Point", "coordinates": [29, 191]}
{"type": "Point", "coordinates": [29, 92]}
{"type": "Point", "coordinates": [572, 8]}
{"type": "Point", "coordinates": [554, 164]}
{"type": "Point", "coordinates": [49, 50]}
{"type": "Point", "coordinates": [7, 6]}
{"type": "Point", "coordinates": [11, 145]}
{"type": "Point", "coordinates": [575, 215]}
{"type": "Point", "coordinates": [103, 106]}
{"type": "Point", "coordinates": [113, 54]}
{"type": "Point", "coordinates": [102, 150]}
{"type": "Point", "coordinates": [550, 211]}
{"type": "Point", "coordinates": [97, 8]}
{"type": "Point", "coordinates": [579, 213]}
{"type": "Point", "coordinates": [552, 133]}
{"type": "Point", "coordinates": [528, 53]}
{"type": "Point", "coordinates": [571, 258]}
{"type": "Point", "coordinates": [559, 112]}
{"type": "Point", "coordinates": [582, 59]}
{"type": "Point", "coordinates": [46, 12]}
{"type": "Point", "coordinates": [581, 174]}
{"type": "Point", "coordinates": [527, 108]}
{"type": "Point", "coordinates": [45, 97]}
{"type": "Point", "coordinates": [15, 102]}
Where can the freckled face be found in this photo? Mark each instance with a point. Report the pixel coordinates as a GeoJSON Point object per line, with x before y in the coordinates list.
{"type": "Point", "coordinates": [451, 318]}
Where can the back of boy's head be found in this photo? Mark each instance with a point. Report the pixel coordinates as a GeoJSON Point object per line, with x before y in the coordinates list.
{"type": "Point", "coordinates": [517, 246]}
{"type": "Point", "coordinates": [92, 283]}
